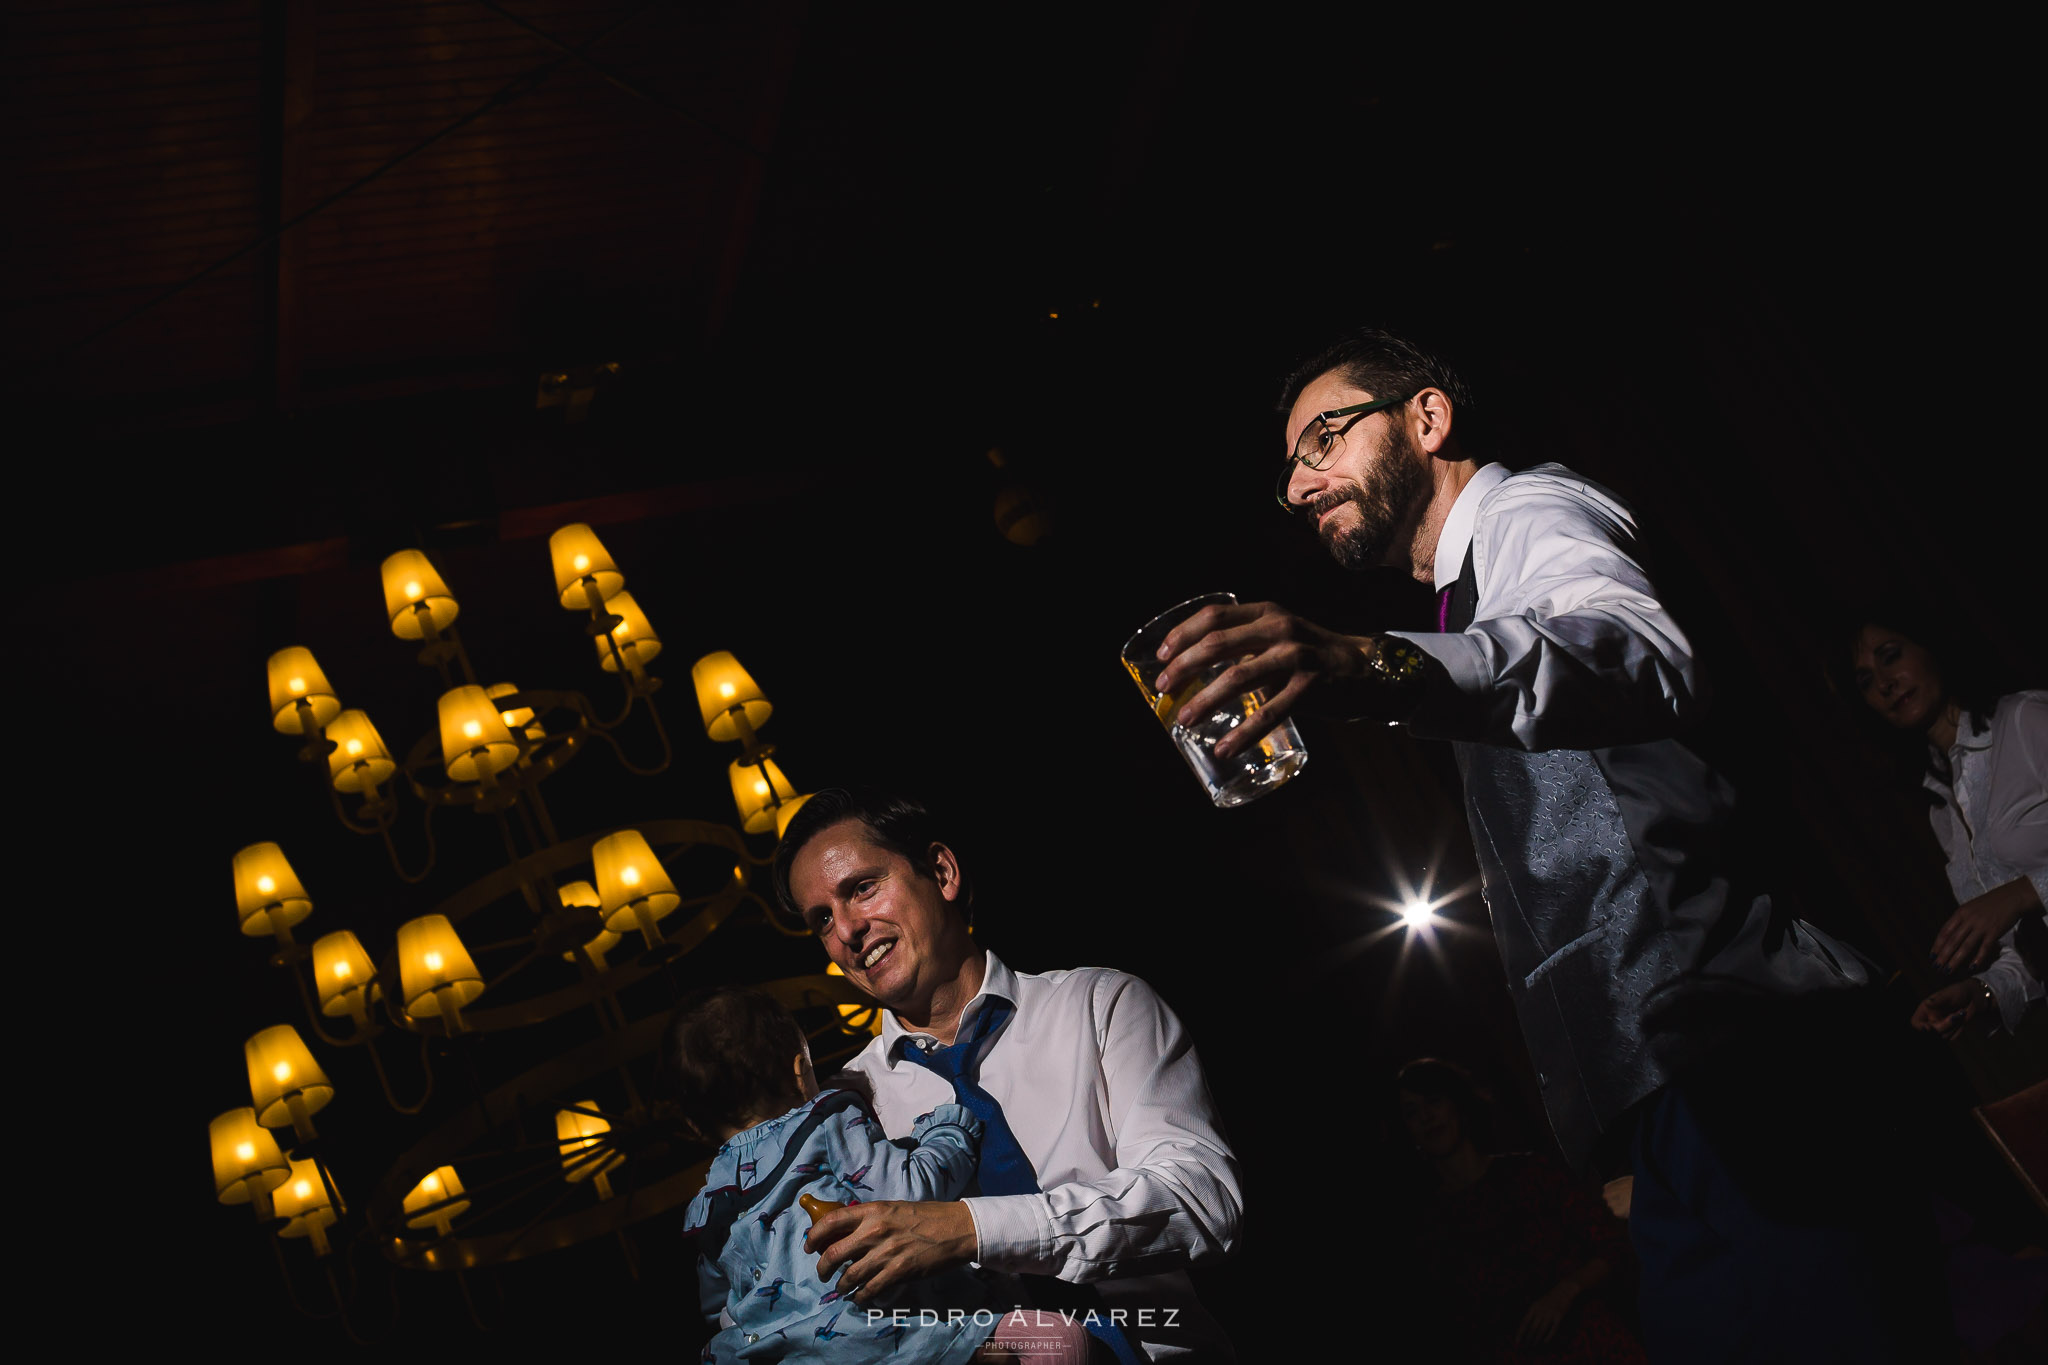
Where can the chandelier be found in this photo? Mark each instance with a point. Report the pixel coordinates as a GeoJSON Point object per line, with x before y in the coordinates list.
{"type": "Point", "coordinates": [571, 1148]}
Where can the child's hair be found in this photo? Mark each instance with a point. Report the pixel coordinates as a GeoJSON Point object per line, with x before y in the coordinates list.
{"type": "Point", "coordinates": [725, 1057]}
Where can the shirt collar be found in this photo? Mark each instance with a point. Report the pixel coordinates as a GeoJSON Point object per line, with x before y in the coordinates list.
{"type": "Point", "coordinates": [1456, 536]}
{"type": "Point", "coordinates": [1965, 739]}
{"type": "Point", "coordinates": [996, 979]}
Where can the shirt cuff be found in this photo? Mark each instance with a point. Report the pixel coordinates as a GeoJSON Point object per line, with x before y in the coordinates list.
{"type": "Point", "coordinates": [1463, 660]}
{"type": "Point", "coordinates": [1012, 1232]}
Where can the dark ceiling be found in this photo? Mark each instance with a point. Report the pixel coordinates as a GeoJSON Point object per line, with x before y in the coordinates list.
{"type": "Point", "coordinates": [1762, 283]}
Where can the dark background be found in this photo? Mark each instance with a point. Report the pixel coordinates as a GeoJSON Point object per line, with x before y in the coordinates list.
{"type": "Point", "coordinates": [1769, 286]}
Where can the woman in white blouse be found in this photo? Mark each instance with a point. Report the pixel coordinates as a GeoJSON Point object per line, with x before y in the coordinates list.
{"type": "Point", "coordinates": [1987, 783]}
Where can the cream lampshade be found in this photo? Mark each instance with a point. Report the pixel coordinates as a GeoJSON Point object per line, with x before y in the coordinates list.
{"type": "Point", "coordinates": [636, 639]}
{"type": "Point", "coordinates": [247, 1164]}
{"type": "Point", "coordinates": [786, 812]}
{"type": "Point", "coordinates": [633, 888]}
{"type": "Point", "coordinates": [346, 978]}
{"type": "Point", "coordinates": [436, 1202]}
{"type": "Point", "coordinates": [731, 703]}
{"type": "Point", "coordinates": [436, 976]}
{"type": "Point", "coordinates": [287, 1085]}
{"type": "Point", "coordinates": [304, 1202]}
{"type": "Point", "coordinates": [475, 743]}
{"type": "Point", "coordinates": [294, 678]}
{"type": "Point", "coordinates": [580, 557]}
{"type": "Point", "coordinates": [360, 762]}
{"type": "Point", "coordinates": [758, 789]}
{"type": "Point", "coordinates": [268, 896]}
{"type": "Point", "coordinates": [415, 596]}
{"type": "Point", "coordinates": [577, 1132]}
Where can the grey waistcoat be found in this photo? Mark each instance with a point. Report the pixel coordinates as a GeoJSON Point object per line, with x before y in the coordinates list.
{"type": "Point", "coordinates": [1621, 921]}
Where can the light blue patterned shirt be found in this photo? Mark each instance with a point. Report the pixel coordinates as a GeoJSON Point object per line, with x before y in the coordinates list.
{"type": "Point", "coordinates": [767, 1285]}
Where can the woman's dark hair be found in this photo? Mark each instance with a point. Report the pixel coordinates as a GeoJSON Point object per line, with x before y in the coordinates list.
{"type": "Point", "coordinates": [1966, 678]}
{"type": "Point", "coordinates": [1381, 364]}
{"type": "Point", "coordinates": [897, 823]}
{"type": "Point", "coordinates": [1435, 1079]}
{"type": "Point", "coordinates": [726, 1056]}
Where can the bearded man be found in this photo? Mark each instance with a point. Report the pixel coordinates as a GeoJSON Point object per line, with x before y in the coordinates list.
{"type": "Point", "coordinates": [1676, 1016]}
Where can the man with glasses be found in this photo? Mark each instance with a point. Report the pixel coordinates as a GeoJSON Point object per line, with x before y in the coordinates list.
{"type": "Point", "coordinates": [1666, 1002]}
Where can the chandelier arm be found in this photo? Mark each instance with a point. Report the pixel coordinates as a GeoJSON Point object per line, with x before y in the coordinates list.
{"type": "Point", "coordinates": [341, 1304]}
{"type": "Point", "coordinates": [774, 919]}
{"type": "Point", "coordinates": [518, 863]}
{"type": "Point", "coordinates": [521, 965]}
{"type": "Point", "coordinates": [291, 1290]}
{"type": "Point", "coordinates": [313, 1017]}
{"type": "Point", "coordinates": [426, 828]}
{"type": "Point", "coordinates": [348, 823]}
{"type": "Point", "coordinates": [390, 1098]}
{"type": "Point", "coordinates": [540, 813]}
{"type": "Point", "coordinates": [628, 763]}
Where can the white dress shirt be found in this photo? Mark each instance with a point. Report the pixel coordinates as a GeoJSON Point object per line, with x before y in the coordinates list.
{"type": "Point", "coordinates": [1569, 646]}
{"type": "Point", "coordinates": [1993, 826]}
{"type": "Point", "coordinates": [1101, 1086]}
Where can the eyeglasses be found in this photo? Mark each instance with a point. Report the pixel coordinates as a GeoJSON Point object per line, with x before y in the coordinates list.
{"type": "Point", "coordinates": [1318, 442]}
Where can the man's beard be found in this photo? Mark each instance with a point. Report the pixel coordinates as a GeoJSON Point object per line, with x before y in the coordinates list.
{"type": "Point", "coordinates": [1393, 488]}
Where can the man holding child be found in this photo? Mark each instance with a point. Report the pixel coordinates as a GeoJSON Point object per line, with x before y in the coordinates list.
{"type": "Point", "coordinates": [1102, 1174]}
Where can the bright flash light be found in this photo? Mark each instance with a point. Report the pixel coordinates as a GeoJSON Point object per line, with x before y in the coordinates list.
{"type": "Point", "coordinates": [582, 562]}
{"type": "Point", "coordinates": [472, 729]}
{"type": "Point", "coordinates": [303, 1189]}
{"type": "Point", "coordinates": [283, 1071]}
{"type": "Point", "coordinates": [1417, 914]}
{"type": "Point", "coordinates": [432, 1184]}
{"type": "Point", "coordinates": [297, 685]}
{"type": "Point", "coordinates": [725, 690]}
{"type": "Point", "coordinates": [355, 747]}
{"type": "Point", "coordinates": [246, 1151]}
{"type": "Point", "coordinates": [412, 591]}
{"type": "Point", "coordinates": [341, 969]}
{"type": "Point", "coordinates": [760, 789]}
{"type": "Point", "coordinates": [433, 961]}
{"type": "Point", "coordinates": [630, 876]}
{"type": "Point", "coordinates": [266, 885]}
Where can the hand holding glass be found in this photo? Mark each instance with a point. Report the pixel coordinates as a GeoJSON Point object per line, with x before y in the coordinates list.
{"type": "Point", "coordinates": [1231, 781]}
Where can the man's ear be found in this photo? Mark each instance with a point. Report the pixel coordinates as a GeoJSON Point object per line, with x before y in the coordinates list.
{"type": "Point", "coordinates": [946, 871]}
{"type": "Point", "coordinates": [1431, 423]}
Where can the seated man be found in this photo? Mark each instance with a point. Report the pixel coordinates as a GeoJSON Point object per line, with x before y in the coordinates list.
{"type": "Point", "coordinates": [1101, 1163]}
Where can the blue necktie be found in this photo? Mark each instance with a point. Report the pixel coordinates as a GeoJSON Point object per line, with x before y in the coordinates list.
{"type": "Point", "coordinates": [1004, 1168]}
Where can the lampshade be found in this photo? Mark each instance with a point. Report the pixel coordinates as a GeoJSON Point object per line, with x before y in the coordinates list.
{"type": "Point", "coordinates": [246, 1159]}
{"type": "Point", "coordinates": [632, 886]}
{"type": "Point", "coordinates": [519, 717]}
{"type": "Point", "coordinates": [577, 1132]}
{"type": "Point", "coordinates": [722, 685]}
{"type": "Point", "coordinates": [344, 974]}
{"type": "Point", "coordinates": [578, 554]}
{"type": "Point", "coordinates": [294, 678]}
{"type": "Point", "coordinates": [580, 893]}
{"type": "Point", "coordinates": [867, 1017]}
{"type": "Point", "coordinates": [435, 974]}
{"type": "Point", "coordinates": [786, 812]}
{"type": "Point", "coordinates": [411, 583]}
{"type": "Point", "coordinates": [441, 1184]}
{"type": "Point", "coordinates": [360, 759]}
{"type": "Point", "coordinates": [303, 1200]}
{"type": "Point", "coordinates": [636, 639]}
{"type": "Point", "coordinates": [284, 1080]}
{"type": "Point", "coordinates": [757, 788]}
{"type": "Point", "coordinates": [474, 740]}
{"type": "Point", "coordinates": [268, 896]}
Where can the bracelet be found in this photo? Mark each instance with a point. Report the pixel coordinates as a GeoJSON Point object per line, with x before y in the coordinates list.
{"type": "Point", "coordinates": [1394, 662]}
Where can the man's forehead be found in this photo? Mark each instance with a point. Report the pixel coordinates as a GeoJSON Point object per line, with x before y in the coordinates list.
{"type": "Point", "coordinates": [1324, 392]}
{"type": "Point", "coordinates": [835, 851]}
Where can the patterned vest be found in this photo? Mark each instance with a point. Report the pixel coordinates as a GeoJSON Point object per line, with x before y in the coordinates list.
{"type": "Point", "coordinates": [1630, 939]}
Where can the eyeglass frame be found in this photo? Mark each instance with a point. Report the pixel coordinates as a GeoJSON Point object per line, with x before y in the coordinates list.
{"type": "Point", "coordinates": [1356, 412]}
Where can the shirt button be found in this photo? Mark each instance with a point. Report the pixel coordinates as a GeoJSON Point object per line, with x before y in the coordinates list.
{"type": "Point", "coordinates": [753, 1337]}
{"type": "Point", "coordinates": [757, 1272]}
